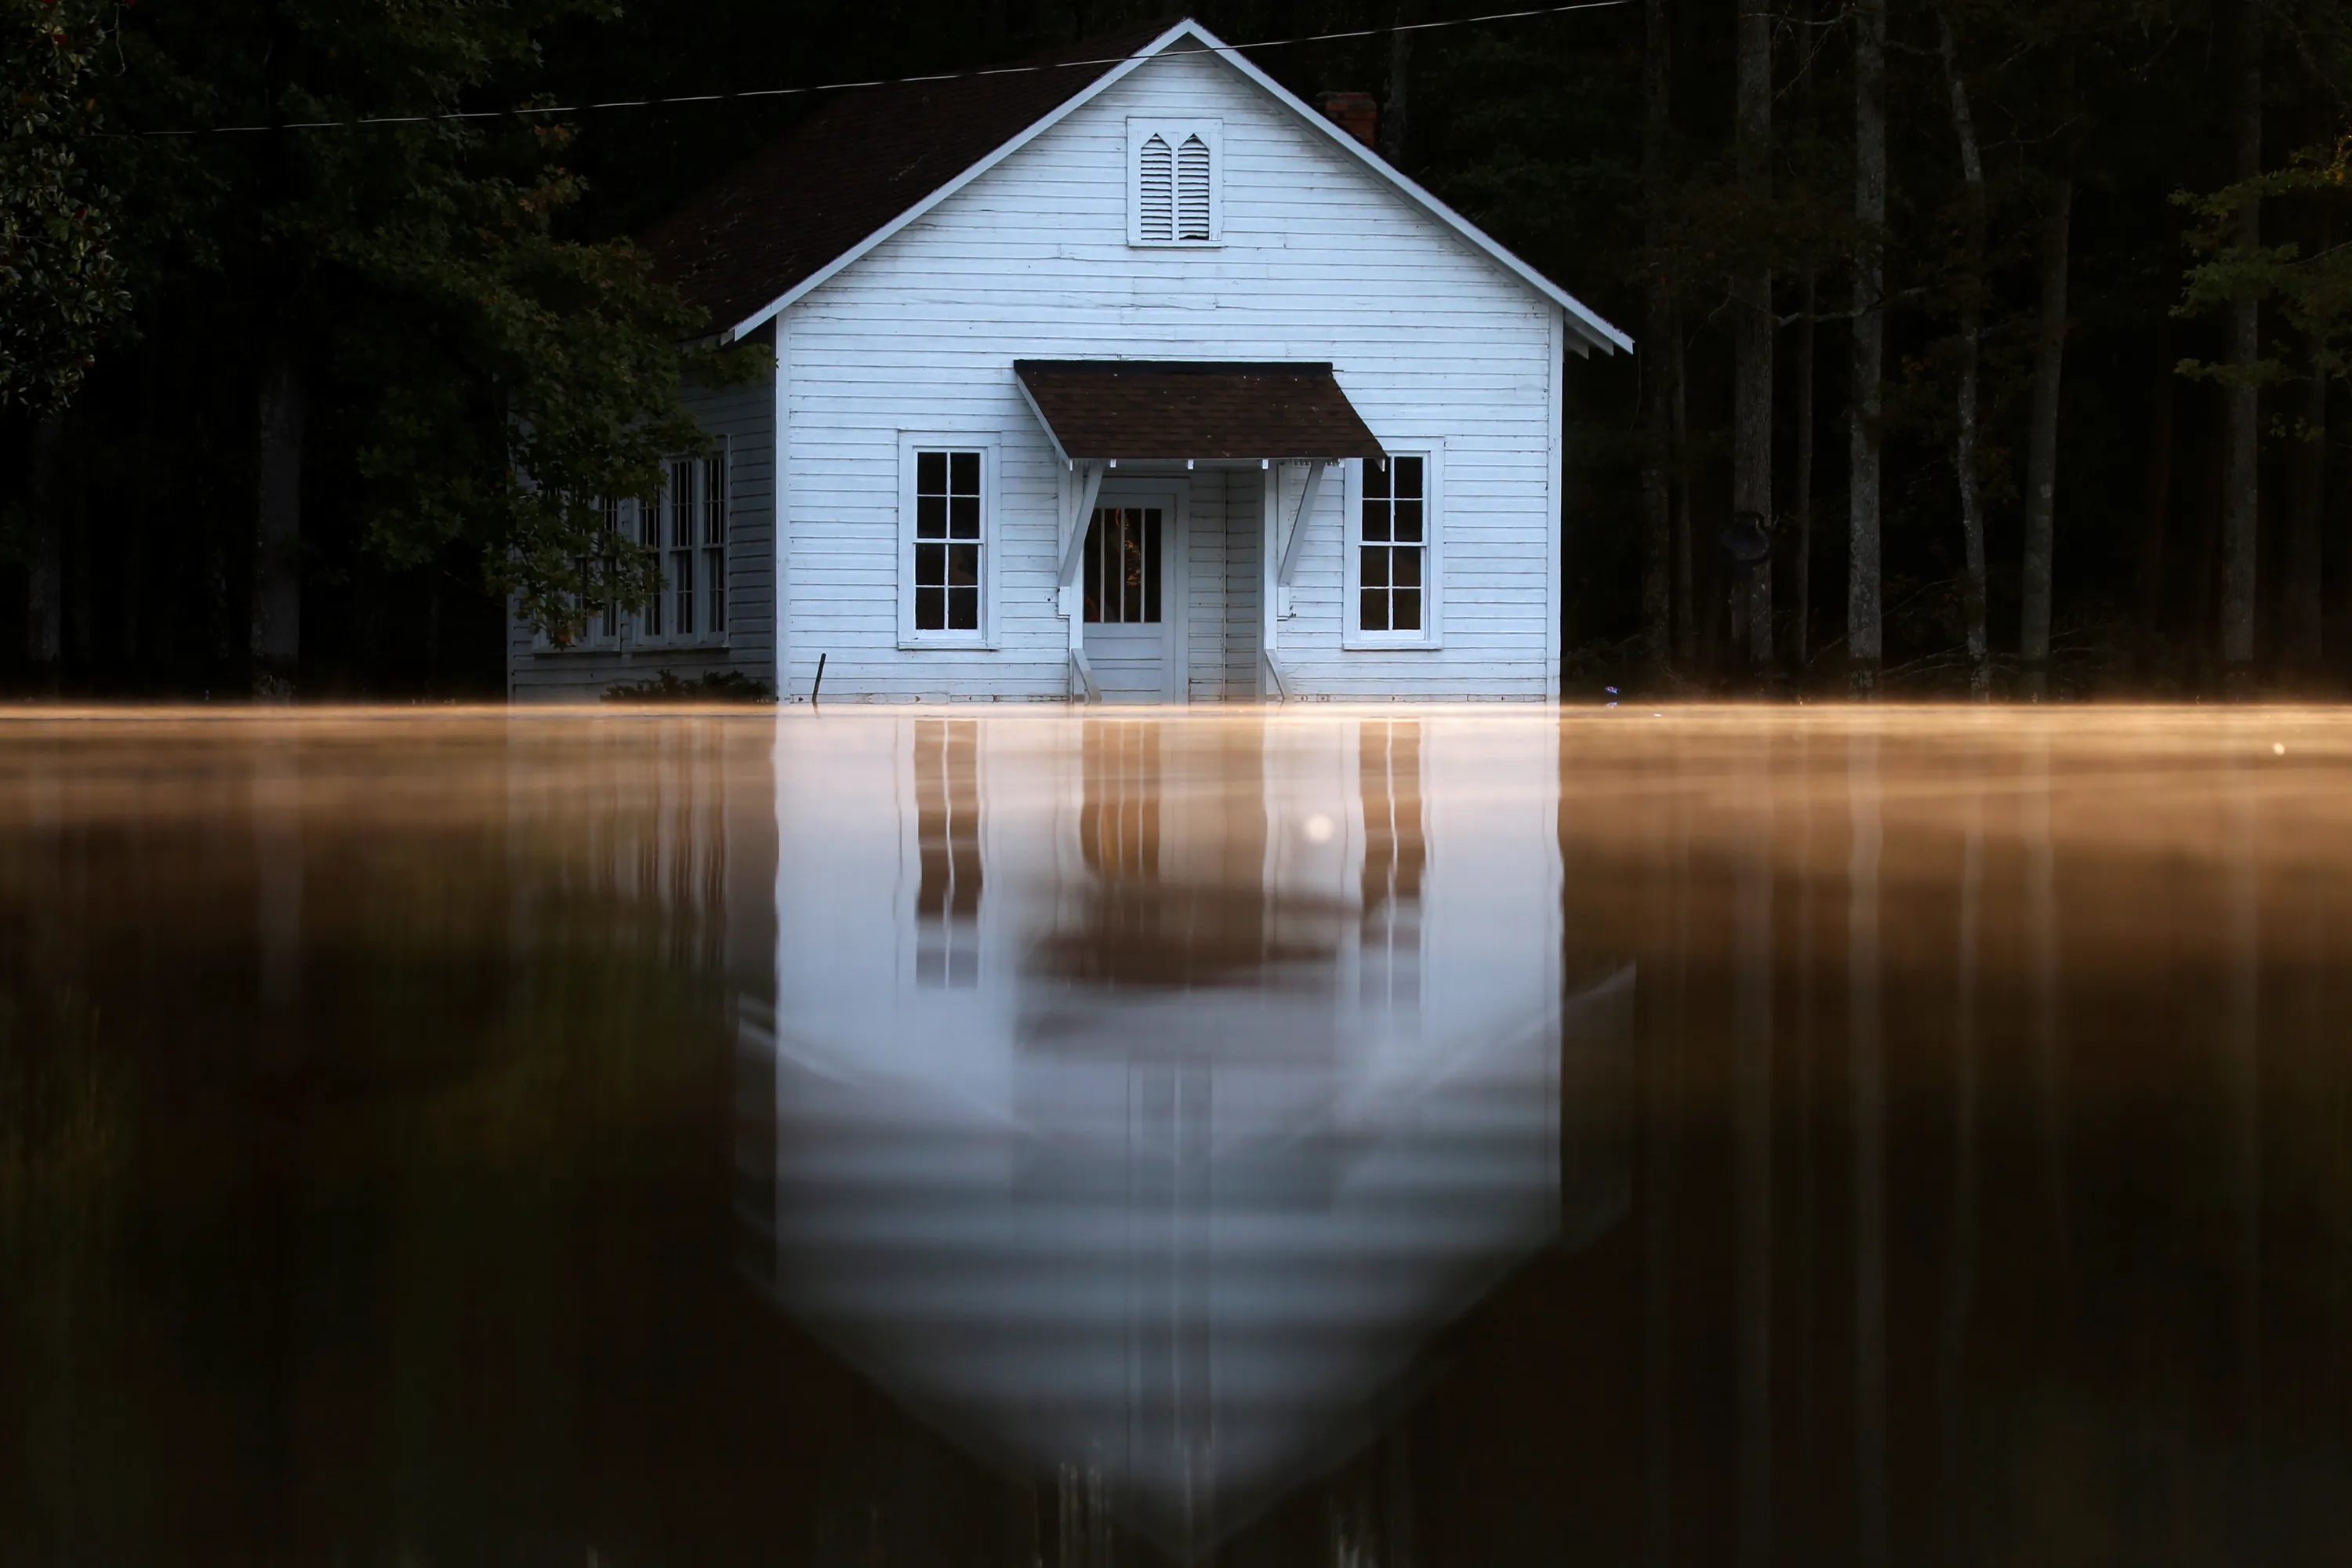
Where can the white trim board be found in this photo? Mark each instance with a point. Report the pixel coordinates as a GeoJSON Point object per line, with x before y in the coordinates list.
{"type": "Point", "coordinates": [1581, 320]}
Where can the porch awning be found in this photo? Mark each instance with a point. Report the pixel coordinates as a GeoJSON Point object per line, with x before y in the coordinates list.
{"type": "Point", "coordinates": [1101, 410]}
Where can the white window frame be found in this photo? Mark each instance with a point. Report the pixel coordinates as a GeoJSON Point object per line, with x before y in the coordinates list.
{"type": "Point", "coordinates": [621, 517]}
{"type": "Point", "coordinates": [1212, 134]}
{"type": "Point", "coordinates": [910, 443]}
{"type": "Point", "coordinates": [1431, 635]}
{"type": "Point", "coordinates": [636, 636]}
{"type": "Point", "coordinates": [630, 631]}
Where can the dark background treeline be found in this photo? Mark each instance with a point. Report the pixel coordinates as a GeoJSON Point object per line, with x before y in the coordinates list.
{"type": "Point", "coordinates": [130, 541]}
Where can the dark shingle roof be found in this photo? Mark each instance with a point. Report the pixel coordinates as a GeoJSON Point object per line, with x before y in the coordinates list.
{"type": "Point", "coordinates": [1182, 408]}
{"type": "Point", "coordinates": [857, 164]}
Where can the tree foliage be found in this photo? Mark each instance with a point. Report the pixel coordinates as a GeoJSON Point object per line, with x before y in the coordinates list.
{"type": "Point", "coordinates": [60, 286]}
{"type": "Point", "coordinates": [2311, 287]}
{"type": "Point", "coordinates": [484, 376]}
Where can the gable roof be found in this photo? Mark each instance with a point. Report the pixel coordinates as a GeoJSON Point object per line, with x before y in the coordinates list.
{"type": "Point", "coordinates": [878, 159]}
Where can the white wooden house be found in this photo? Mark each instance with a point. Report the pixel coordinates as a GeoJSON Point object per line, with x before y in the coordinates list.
{"type": "Point", "coordinates": [1123, 376]}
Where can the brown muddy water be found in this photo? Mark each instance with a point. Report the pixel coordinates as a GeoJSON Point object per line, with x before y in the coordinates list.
{"type": "Point", "coordinates": [1372, 1139]}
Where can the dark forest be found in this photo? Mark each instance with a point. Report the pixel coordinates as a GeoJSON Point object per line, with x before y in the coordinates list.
{"type": "Point", "coordinates": [2064, 276]}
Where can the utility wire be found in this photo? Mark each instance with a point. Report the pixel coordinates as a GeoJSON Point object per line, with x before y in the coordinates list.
{"type": "Point", "coordinates": [880, 81]}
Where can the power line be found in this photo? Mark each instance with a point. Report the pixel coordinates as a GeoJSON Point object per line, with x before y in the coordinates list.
{"type": "Point", "coordinates": [848, 86]}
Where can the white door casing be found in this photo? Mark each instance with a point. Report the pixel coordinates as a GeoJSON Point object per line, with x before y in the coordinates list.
{"type": "Point", "coordinates": [1139, 660]}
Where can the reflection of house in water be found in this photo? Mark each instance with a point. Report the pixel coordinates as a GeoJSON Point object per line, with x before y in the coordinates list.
{"type": "Point", "coordinates": [666, 829]}
{"type": "Point", "coordinates": [1388, 761]}
{"type": "Point", "coordinates": [1245, 1080]}
{"type": "Point", "coordinates": [947, 844]}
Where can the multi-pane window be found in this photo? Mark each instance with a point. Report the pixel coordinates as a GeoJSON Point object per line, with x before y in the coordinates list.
{"type": "Point", "coordinates": [600, 621]}
{"type": "Point", "coordinates": [606, 624]}
{"type": "Point", "coordinates": [1122, 566]}
{"type": "Point", "coordinates": [1392, 566]}
{"type": "Point", "coordinates": [947, 541]}
{"type": "Point", "coordinates": [685, 530]}
{"type": "Point", "coordinates": [652, 620]}
{"type": "Point", "coordinates": [694, 547]}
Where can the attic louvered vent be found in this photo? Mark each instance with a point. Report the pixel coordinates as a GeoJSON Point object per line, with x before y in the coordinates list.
{"type": "Point", "coordinates": [1193, 189]}
{"type": "Point", "coordinates": [1174, 168]}
{"type": "Point", "coordinates": [1155, 193]}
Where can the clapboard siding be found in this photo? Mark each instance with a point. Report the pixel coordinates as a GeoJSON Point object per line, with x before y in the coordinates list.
{"type": "Point", "coordinates": [745, 416]}
{"type": "Point", "coordinates": [1321, 259]}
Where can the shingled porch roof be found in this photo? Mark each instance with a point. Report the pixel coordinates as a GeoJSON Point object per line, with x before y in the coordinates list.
{"type": "Point", "coordinates": [1154, 409]}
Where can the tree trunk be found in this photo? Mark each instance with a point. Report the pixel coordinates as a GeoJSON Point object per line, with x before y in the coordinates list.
{"type": "Point", "coordinates": [1686, 587]}
{"type": "Point", "coordinates": [2042, 432]}
{"type": "Point", "coordinates": [1393, 114]}
{"type": "Point", "coordinates": [277, 535]}
{"type": "Point", "coordinates": [1751, 420]}
{"type": "Point", "coordinates": [2205, 615]}
{"type": "Point", "coordinates": [1657, 402]}
{"type": "Point", "coordinates": [1801, 569]}
{"type": "Point", "coordinates": [2306, 503]}
{"type": "Point", "coordinates": [2156, 518]}
{"type": "Point", "coordinates": [1800, 618]}
{"type": "Point", "coordinates": [1965, 441]}
{"type": "Point", "coordinates": [45, 585]}
{"type": "Point", "coordinates": [1863, 648]}
{"type": "Point", "coordinates": [2240, 492]}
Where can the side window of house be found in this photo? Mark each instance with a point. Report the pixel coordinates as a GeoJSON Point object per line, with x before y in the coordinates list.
{"type": "Point", "coordinates": [948, 543]}
{"type": "Point", "coordinates": [600, 623]}
{"type": "Point", "coordinates": [686, 531]}
{"type": "Point", "coordinates": [690, 535]}
{"type": "Point", "coordinates": [1392, 575]}
{"type": "Point", "coordinates": [607, 626]}
{"type": "Point", "coordinates": [1174, 171]}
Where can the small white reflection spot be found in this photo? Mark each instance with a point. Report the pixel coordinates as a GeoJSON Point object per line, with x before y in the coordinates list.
{"type": "Point", "coordinates": [2278, 748]}
{"type": "Point", "coordinates": [1318, 830]}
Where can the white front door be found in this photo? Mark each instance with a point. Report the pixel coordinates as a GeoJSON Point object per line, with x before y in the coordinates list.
{"type": "Point", "coordinates": [1133, 585]}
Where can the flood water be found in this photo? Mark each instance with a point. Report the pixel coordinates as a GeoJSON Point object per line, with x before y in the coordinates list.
{"type": "Point", "coordinates": [1372, 1139]}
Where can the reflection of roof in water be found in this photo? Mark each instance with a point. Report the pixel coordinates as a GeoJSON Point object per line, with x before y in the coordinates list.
{"type": "Point", "coordinates": [1201, 1275]}
{"type": "Point", "coordinates": [1163, 935]}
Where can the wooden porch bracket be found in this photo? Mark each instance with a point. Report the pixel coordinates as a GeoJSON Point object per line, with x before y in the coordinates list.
{"type": "Point", "coordinates": [1297, 535]}
{"type": "Point", "coordinates": [1074, 534]}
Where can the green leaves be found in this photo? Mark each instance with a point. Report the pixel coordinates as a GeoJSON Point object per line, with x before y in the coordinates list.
{"type": "Point", "coordinates": [2309, 290]}
{"type": "Point", "coordinates": [476, 371]}
{"type": "Point", "coordinates": [60, 284]}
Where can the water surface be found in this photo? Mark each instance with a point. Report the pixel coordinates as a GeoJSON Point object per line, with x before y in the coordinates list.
{"type": "Point", "coordinates": [1376, 1137]}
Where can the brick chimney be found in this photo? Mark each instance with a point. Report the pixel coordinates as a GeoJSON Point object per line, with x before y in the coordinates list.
{"type": "Point", "coordinates": [1357, 113]}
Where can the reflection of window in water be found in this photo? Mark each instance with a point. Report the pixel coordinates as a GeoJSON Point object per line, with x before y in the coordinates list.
{"type": "Point", "coordinates": [642, 822]}
{"type": "Point", "coordinates": [947, 839]}
{"type": "Point", "coordinates": [1118, 820]}
{"type": "Point", "coordinates": [1396, 852]}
